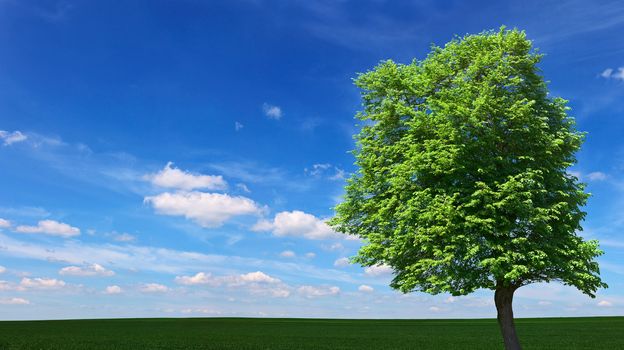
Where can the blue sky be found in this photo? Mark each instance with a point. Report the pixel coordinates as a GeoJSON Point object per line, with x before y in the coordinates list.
{"type": "Point", "coordinates": [163, 158]}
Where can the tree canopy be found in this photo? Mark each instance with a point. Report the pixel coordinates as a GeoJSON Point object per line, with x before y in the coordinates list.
{"type": "Point", "coordinates": [462, 178]}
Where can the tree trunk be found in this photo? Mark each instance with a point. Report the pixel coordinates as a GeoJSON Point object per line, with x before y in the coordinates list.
{"type": "Point", "coordinates": [503, 298]}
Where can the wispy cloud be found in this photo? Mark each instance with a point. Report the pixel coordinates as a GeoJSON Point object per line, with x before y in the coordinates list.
{"type": "Point", "coordinates": [9, 138]}
{"type": "Point", "coordinates": [91, 270]}
{"type": "Point", "coordinates": [614, 74]}
{"type": "Point", "coordinates": [272, 111]}
{"type": "Point", "coordinates": [155, 259]}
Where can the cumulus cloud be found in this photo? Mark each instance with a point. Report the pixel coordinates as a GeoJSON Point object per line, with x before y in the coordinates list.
{"type": "Point", "coordinates": [14, 301]}
{"type": "Point", "coordinates": [258, 276]}
{"type": "Point", "coordinates": [230, 280]}
{"type": "Point", "coordinates": [86, 271]}
{"type": "Point", "coordinates": [206, 209]}
{"type": "Point", "coordinates": [288, 254]}
{"type": "Point", "coordinates": [154, 288]}
{"type": "Point", "coordinates": [198, 278]}
{"type": "Point", "coordinates": [297, 224]}
{"type": "Point", "coordinates": [50, 227]}
{"type": "Point", "coordinates": [2, 269]}
{"type": "Point", "coordinates": [378, 270]}
{"type": "Point", "coordinates": [254, 282]}
{"type": "Point", "coordinates": [271, 111]}
{"type": "Point", "coordinates": [112, 290]}
{"type": "Point", "coordinates": [41, 283]}
{"type": "Point", "coordinates": [9, 138]}
{"type": "Point", "coordinates": [342, 262]}
{"type": "Point", "coordinates": [322, 291]}
{"type": "Point", "coordinates": [171, 177]}
{"type": "Point", "coordinates": [611, 73]}
{"type": "Point", "coordinates": [365, 289]}
{"type": "Point", "coordinates": [310, 255]}
{"type": "Point", "coordinates": [4, 223]}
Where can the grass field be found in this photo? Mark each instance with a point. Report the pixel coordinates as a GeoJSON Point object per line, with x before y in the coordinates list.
{"type": "Point", "coordinates": [240, 333]}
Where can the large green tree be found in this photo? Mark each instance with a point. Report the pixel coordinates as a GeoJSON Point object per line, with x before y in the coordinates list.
{"type": "Point", "coordinates": [462, 180]}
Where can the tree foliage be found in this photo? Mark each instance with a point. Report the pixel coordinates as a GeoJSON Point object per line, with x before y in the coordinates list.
{"type": "Point", "coordinates": [462, 178]}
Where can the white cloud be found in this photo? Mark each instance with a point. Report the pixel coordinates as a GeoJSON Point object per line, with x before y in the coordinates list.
{"type": "Point", "coordinates": [10, 138]}
{"type": "Point", "coordinates": [378, 270]}
{"type": "Point", "coordinates": [596, 176]}
{"type": "Point", "coordinates": [4, 285]}
{"type": "Point", "coordinates": [4, 223]}
{"type": "Point", "coordinates": [123, 237]}
{"type": "Point", "coordinates": [297, 224]}
{"type": "Point", "coordinates": [258, 277]}
{"type": "Point", "coordinates": [325, 170]}
{"type": "Point", "coordinates": [171, 177]}
{"type": "Point", "coordinates": [206, 209]}
{"type": "Point", "coordinates": [333, 247]}
{"type": "Point", "coordinates": [611, 73]}
{"type": "Point", "coordinates": [2, 269]}
{"type": "Point", "coordinates": [593, 176]}
{"type": "Point", "coordinates": [152, 259]}
{"type": "Point", "coordinates": [339, 175]}
{"type": "Point", "coordinates": [14, 301]}
{"type": "Point", "coordinates": [606, 73]}
{"type": "Point", "coordinates": [112, 290]}
{"type": "Point", "coordinates": [229, 280]}
{"type": "Point", "coordinates": [198, 278]}
{"type": "Point", "coordinates": [41, 283]}
{"type": "Point", "coordinates": [434, 308]}
{"type": "Point", "coordinates": [201, 310]}
{"type": "Point", "coordinates": [271, 111]}
{"type": "Point", "coordinates": [450, 300]}
{"type": "Point", "coordinates": [605, 303]}
{"type": "Point", "coordinates": [50, 227]}
{"type": "Point", "coordinates": [544, 303]}
{"type": "Point", "coordinates": [310, 255]}
{"type": "Point", "coordinates": [288, 254]}
{"type": "Point", "coordinates": [243, 187]}
{"type": "Point", "coordinates": [317, 169]}
{"type": "Point", "coordinates": [342, 262]}
{"type": "Point", "coordinates": [238, 126]}
{"type": "Point", "coordinates": [154, 288]}
{"type": "Point", "coordinates": [365, 289]}
{"type": "Point", "coordinates": [312, 291]}
{"type": "Point", "coordinates": [278, 292]}
{"type": "Point", "coordinates": [254, 282]}
{"type": "Point", "coordinates": [86, 271]}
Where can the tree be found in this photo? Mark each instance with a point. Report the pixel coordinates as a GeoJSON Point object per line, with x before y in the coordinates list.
{"type": "Point", "coordinates": [462, 178]}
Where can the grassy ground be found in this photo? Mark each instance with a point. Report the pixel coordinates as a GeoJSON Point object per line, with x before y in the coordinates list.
{"type": "Point", "coordinates": [240, 334]}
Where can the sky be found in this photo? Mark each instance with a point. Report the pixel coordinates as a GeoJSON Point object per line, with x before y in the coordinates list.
{"type": "Point", "coordinates": [180, 158]}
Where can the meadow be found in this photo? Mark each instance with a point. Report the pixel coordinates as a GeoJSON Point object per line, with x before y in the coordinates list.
{"type": "Point", "coordinates": [269, 333]}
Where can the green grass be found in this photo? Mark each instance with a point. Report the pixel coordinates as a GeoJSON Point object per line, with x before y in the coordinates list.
{"type": "Point", "coordinates": [240, 334]}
